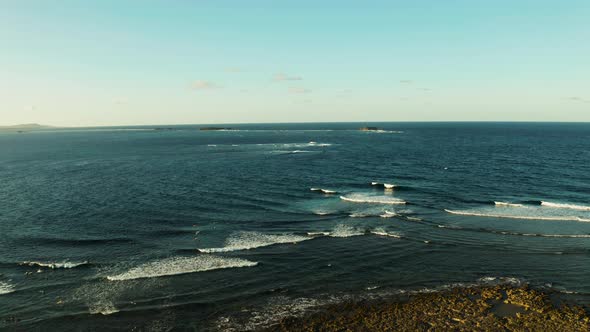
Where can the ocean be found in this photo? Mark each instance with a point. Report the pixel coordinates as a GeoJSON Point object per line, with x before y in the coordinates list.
{"type": "Point", "coordinates": [154, 229]}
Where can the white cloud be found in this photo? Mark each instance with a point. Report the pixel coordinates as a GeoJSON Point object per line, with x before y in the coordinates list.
{"type": "Point", "coordinates": [203, 85]}
{"type": "Point", "coordinates": [298, 90]}
{"type": "Point", "coordinates": [284, 77]}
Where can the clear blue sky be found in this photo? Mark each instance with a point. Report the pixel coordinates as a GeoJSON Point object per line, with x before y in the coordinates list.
{"type": "Point", "coordinates": [117, 62]}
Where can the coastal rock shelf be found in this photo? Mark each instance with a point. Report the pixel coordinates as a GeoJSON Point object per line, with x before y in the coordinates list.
{"type": "Point", "coordinates": [497, 308]}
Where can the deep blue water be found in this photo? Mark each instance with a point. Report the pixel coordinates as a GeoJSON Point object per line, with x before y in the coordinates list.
{"type": "Point", "coordinates": [187, 229]}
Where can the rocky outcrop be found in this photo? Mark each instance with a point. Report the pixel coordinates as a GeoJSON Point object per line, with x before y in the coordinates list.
{"type": "Point", "coordinates": [462, 309]}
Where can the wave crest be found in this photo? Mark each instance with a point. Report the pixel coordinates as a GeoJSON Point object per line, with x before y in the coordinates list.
{"type": "Point", "coordinates": [360, 198]}
{"type": "Point", "coordinates": [565, 206]}
{"type": "Point", "coordinates": [180, 265]}
{"type": "Point", "coordinates": [346, 231]}
{"type": "Point", "coordinates": [6, 288]}
{"type": "Point", "coordinates": [508, 204]}
{"type": "Point", "coordinates": [528, 217]}
{"type": "Point", "coordinates": [325, 191]}
{"type": "Point", "coordinates": [251, 240]}
{"type": "Point", "coordinates": [382, 232]}
{"type": "Point", "coordinates": [60, 265]}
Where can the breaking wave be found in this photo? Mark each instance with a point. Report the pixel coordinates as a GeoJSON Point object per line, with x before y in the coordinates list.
{"type": "Point", "coordinates": [361, 198]}
{"type": "Point", "coordinates": [181, 265]}
{"type": "Point", "coordinates": [325, 191]}
{"type": "Point", "coordinates": [251, 240]}
{"type": "Point", "coordinates": [565, 206]}
{"type": "Point", "coordinates": [382, 232]}
{"type": "Point", "coordinates": [346, 231]}
{"type": "Point", "coordinates": [6, 288]}
{"type": "Point", "coordinates": [528, 217]}
{"type": "Point", "coordinates": [508, 204]}
{"type": "Point", "coordinates": [60, 265]}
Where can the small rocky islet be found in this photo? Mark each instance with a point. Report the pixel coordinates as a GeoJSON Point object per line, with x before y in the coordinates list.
{"type": "Point", "coordinates": [491, 308]}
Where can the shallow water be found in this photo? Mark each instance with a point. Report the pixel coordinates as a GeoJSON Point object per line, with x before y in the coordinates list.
{"type": "Point", "coordinates": [220, 229]}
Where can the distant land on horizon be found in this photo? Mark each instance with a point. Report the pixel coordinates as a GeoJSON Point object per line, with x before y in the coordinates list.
{"type": "Point", "coordinates": [26, 126]}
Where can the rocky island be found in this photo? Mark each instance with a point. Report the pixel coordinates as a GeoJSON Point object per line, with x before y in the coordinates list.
{"type": "Point", "coordinates": [369, 129]}
{"type": "Point", "coordinates": [490, 308]}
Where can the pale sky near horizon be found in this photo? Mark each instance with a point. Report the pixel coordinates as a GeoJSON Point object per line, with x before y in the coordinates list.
{"type": "Point", "coordinates": [114, 62]}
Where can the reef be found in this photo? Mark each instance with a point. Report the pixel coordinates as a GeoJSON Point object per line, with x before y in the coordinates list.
{"type": "Point", "coordinates": [493, 308]}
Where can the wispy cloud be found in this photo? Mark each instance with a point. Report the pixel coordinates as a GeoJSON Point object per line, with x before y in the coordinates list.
{"type": "Point", "coordinates": [203, 85]}
{"type": "Point", "coordinates": [298, 90]}
{"type": "Point", "coordinates": [284, 77]}
{"type": "Point", "coordinates": [578, 99]}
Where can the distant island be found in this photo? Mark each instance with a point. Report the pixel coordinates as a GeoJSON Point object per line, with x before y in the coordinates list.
{"type": "Point", "coordinates": [25, 127]}
{"type": "Point", "coordinates": [369, 129]}
{"type": "Point", "coordinates": [214, 128]}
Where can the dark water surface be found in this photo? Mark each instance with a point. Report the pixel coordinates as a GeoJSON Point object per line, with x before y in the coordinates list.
{"type": "Point", "coordinates": [188, 229]}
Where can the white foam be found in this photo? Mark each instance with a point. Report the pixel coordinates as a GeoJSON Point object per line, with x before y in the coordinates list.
{"type": "Point", "coordinates": [342, 230]}
{"type": "Point", "coordinates": [528, 217]}
{"type": "Point", "coordinates": [382, 232]}
{"type": "Point", "coordinates": [574, 236]}
{"type": "Point", "coordinates": [318, 233]}
{"type": "Point", "coordinates": [508, 204]}
{"type": "Point", "coordinates": [374, 183]}
{"type": "Point", "coordinates": [388, 214]}
{"type": "Point", "coordinates": [251, 240]}
{"type": "Point", "coordinates": [56, 265]}
{"type": "Point", "coordinates": [388, 185]}
{"type": "Point", "coordinates": [566, 206]}
{"type": "Point", "coordinates": [363, 198]}
{"type": "Point", "coordinates": [325, 191]}
{"type": "Point", "coordinates": [181, 265]}
{"type": "Point", "coordinates": [6, 288]}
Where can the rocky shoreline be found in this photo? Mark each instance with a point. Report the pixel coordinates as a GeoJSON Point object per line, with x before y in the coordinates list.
{"type": "Point", "coordinates": [487, 308]}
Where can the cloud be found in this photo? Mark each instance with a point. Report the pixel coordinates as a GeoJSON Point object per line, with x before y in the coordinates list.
{"type": "Point", "coordinates": [121, 101]}
{"type": "Point", "coordinates": [406, 81]}
{"type": "Point", "coordinates": [298, 90]}
{"type": "Point", "coordinates": [203, 85]}
{"type": "Point", "coordinates": [578, 99]}
{"type": "Point", "coordinates": [284, 77]}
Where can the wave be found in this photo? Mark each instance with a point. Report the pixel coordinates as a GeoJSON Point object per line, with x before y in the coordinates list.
{"type": "Point", "coordinates": [388, 185]}
{"type": "Point", "coordinates": [292, 151]}
{"type": "Point", "coordinates": [181, 265]}
{"type": "Point", "coordinates": [374, 183]}
{"type": "Point", "coordinates": [360, 198]}
{"type": "Point", "coordinates": [318, 144]}
{"type": "Point", "coordinates": [346, 231]}
{"type": "Point", "coordinates": [382, 232]}
{"type": "Point", "coordinates": [508, 204]}
{"type": "Point", "coordinates": [388, 214]}
{"type": "Point", "coordinates": [57, 265]}
{"type": "Point", "coordinates": [566, 206]}
{"type": "Point", "coordinates": [6, 288]}
{"type": "Point", "coordinates": [318, 233]}
{"type": "Point", "coordinates": [325, 191]}
{"type": "Point", "coordinates": [573, 236]}
{"type": "Point", "coordinates": [494, 215]}
{"type": "Point", "coordinates": [251, 240]}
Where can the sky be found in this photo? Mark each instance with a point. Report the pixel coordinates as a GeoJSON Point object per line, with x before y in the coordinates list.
{"type": "Point", "coordinates": [140, 62]}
